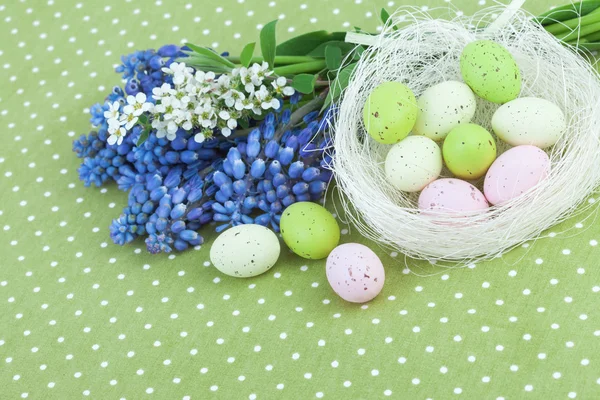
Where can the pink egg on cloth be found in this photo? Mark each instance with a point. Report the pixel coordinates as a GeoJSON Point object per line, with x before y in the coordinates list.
{"type": "Point", "coordinates": [515, 172]}
{"type": "Point", "coordinates": [355, 273]}
{"type": "Point", "coordinates": [451, 196]}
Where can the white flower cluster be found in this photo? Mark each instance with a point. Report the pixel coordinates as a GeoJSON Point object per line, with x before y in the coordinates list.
{"type": "Point", "coordinates": [119, 124]}
{"type": "Point", "coordinates": [200, 100]}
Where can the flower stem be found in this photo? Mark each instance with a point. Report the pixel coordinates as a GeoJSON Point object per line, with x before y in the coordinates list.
{"type": "Point", "coordinates": [306, 67]}
{"type": "Point", "coordinates": [591, 38]}
{"type": "Point", "coordinates": [583, 31]}
{"type": "Point", "coordinates": [575, 23]}
{"type": "Point", "coordinates": [279, 60]}
{"type": "Point", "coordinates": [313, 105]}
{"type": "Point", "coordinates": [318, 83]}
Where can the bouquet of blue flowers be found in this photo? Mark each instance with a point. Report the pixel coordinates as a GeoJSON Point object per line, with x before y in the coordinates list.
{"type": "Point", "coordinates": [197, 137]}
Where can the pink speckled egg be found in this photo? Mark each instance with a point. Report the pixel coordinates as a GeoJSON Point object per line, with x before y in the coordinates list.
{"type": "Point", "coordinates": [355, 272]}
{"type": "Point", "coordinates": [515, 172]}
{"type": "Point", "coordinates": [452, 196]}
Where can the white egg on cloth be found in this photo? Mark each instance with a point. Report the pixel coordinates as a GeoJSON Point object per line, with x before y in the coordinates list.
{"type": "Point", "coordinates": [442, 107]}
{"type": "Point", "coordinates": [529, 121]}
{"type": "Point", "coordinates": [245, 251]}
{"type": "Point", "coordinates": [413, 163]}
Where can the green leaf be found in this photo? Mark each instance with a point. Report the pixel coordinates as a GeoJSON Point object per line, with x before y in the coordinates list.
{"type": "Point", "coordinates": [210, 54]}
{"type": "Point", "coordinates": [304, 83]}
{"type": "Point", "coordinates": [247, 53]}
{"type": "Point", "coordinates": [385, 18]}
{"type": "Point", "coordinates": [143, 119]}
{"type": "Point", "coordinates": [358, 53]}
{"type": "Point", "coordinates": [339, 84]}
{"type": "Point", "coordinates": [333, 57]}
{"type": "Point", "coordinates": [203, 63]}
{"type": "Point", "coordinates": [244, 123]}
{"type": "Point", "coordinates": [143, 137]}
{"type": "Point", "coordinates": [319, 51]}
{"type": "Point", "coordinates": [302, 45]}
{"type": "Point", "coordinates": [268, 43]}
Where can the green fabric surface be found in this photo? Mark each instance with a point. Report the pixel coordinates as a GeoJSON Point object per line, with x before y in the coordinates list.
{"type": "Point", "coordinates": [83, 318]}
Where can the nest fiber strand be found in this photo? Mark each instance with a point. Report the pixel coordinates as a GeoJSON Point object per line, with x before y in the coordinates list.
{"type": "Point", "coordinates": [425, 52]}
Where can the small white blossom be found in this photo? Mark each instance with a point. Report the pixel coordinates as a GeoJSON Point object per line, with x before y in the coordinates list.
{"type": "Point", "coordinates": [265, 99]}
{"type": "Point", "coordinates": [129, 120]}
{"type": "Point", "coordinates": [159, 92]}
{"type": "Point", "coordinates": [113, 111]}
{"type": "Point", "coordinates": [113, 125]}
{"type": "Point", "coordinates": [280, 87]}
{"type": "Point", "coordinates": [231, 122]}
{"type": "Point", "coordinates": [117, 136]}
{"type": "Point", "coordinates": [199, 137]}
{"type": "Point", "coordinates": [171, 130]}
{"type": "Point", "coordinates": [137, 105]}
{"type": "Point", "coordinates": [179, 71]}
{"type": "Point", "coordinates": [207, 116]}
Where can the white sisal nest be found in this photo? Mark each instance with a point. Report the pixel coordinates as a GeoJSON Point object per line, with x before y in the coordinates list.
{"type": "Point", "coordinates": [424, 52]}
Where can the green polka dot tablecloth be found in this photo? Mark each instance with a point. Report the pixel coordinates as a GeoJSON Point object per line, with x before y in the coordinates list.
{"type": "Point", "coordinates": [83, 318]}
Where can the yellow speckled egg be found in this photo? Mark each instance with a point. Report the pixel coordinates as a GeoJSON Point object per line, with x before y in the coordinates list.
{"type": "Point", "coordinates": [309, 230]}
{"type": "Point", "coordinates": [491, 71]}
{"type": "Point", "coordinates": [468, 151]}
{"type": "Point", "coordinates": [390, 112]}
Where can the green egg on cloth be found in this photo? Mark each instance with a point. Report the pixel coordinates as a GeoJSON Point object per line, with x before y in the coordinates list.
{"type": "Point", "coordinates": [390, 112]}
{"type": "Point", "coordinates": [309, 230]}
{"type": "Point", "coordinates": [491, 71]}
{"type": "Point", "coordinates": [245, 251]}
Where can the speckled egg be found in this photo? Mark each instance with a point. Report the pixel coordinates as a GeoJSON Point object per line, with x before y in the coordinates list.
{"type": "Point", "coordinates": [443, 107]}
{"type": "Point", "coordinates": [529, 120]}
{"type": "Point", "coordinates": [451, 196]}
{"type": "Point", "coordinates": [355, 273]}
{"type": "Point", "coordinates": [413, 163]}
{"type": "Point", "coordinates": [390, 112]}
{"type": "Point", "coordinates": [515, 172]}
{"type": "Point", "coordinates": [468, 151]}
{"type": "Point", "coordinates": [491, 71]}
{"type": "Point", "coordinates": [309, 230]}
{"type": "Point", "coordinates": [245, 250]}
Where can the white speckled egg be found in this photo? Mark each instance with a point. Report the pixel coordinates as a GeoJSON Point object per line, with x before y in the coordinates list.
{"type": "Point", "coordinates": [515, 172]}
{"type": "Point", "coordinates": [413, 163]}
{"type": "Point", "coordinates": [451, 196]}
{"type": "Point", "coordinates": [245, 250]}
{"type": "Point", "coordinates": [529, 120]}
{"type": "Point", "coordinates": [442, 107]}
{"type": "Point", "coordinates": [355, 273]}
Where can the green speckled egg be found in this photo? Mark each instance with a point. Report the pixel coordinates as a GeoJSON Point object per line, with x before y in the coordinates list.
{"type": "Point", "coordinates": [309, 230]}
{"type": "Point", "coordinates": [390, 112]}
{"type": "Point", "coordinates": [468, 151]}
{"type": "Point", "coordinates": [491, 71]}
